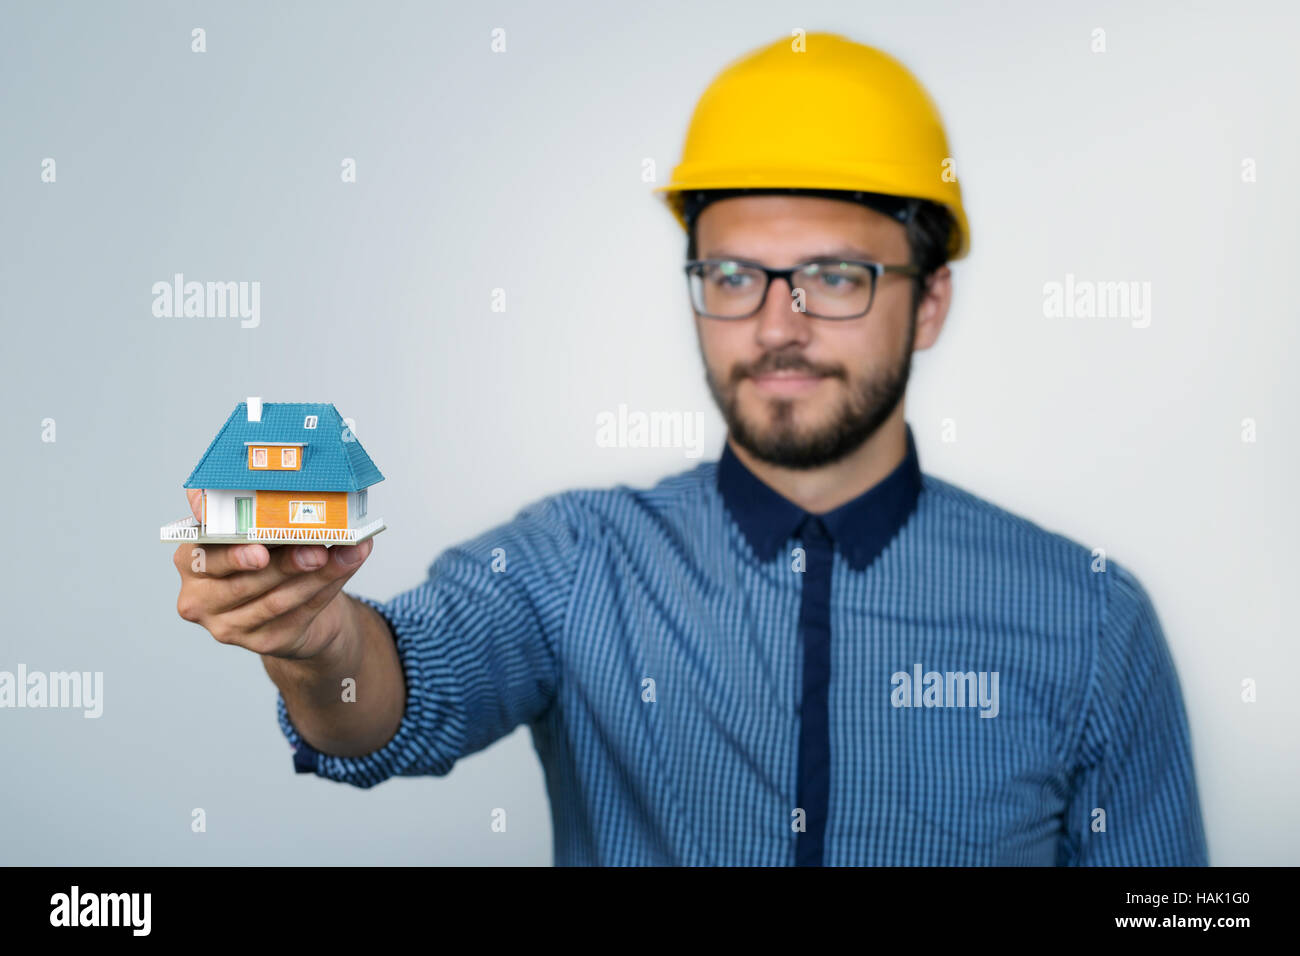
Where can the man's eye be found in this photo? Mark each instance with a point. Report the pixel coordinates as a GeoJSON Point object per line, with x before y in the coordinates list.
{"type": "Point", "coordinates": [835, 276]}
{"type": "Point", "coordinates": [838, 280]}
{"type": "Point", "coordinates": [730, 277]}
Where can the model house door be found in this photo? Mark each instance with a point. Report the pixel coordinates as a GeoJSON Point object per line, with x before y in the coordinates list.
{"type": "Point", "coordinates": [243, 514]}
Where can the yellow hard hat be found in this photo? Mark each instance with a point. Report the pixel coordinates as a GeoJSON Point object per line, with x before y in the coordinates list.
{"type": "Point", "coordinates": [823, 112]}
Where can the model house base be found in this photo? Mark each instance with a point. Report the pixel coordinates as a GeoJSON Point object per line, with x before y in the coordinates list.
{"type": "Point", "coordinates": [187, 529]}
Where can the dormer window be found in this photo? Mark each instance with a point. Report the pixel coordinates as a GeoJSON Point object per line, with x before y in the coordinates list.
{"type": "Point", "coordinates": [309, 422]}
{"type": "Point", "coordinates": [275, 456]}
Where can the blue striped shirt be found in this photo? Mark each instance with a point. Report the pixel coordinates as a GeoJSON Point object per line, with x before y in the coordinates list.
{"type": "Point", "coordinates": [714, 677]}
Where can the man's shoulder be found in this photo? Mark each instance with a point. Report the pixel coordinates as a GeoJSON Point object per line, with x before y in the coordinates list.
{"type": "Point", "coordinates": [678, 494]}
{"type": "Point", "coordinates": [968, 522]}
{"type": "Point", "coordinates": [959, 511]}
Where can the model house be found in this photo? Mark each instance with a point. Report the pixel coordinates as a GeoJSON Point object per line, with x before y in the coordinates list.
{"type": "Point", "coordinates": [282, 472]}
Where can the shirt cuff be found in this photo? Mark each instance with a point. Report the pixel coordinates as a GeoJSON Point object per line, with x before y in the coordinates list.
{"type": "Point", "coordinates": [407, 752]}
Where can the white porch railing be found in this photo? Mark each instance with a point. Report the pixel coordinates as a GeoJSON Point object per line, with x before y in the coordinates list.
{"type": "Point", "coordinates": [341, 535]}
{"type": "Point", "coordinates": [186, 529]}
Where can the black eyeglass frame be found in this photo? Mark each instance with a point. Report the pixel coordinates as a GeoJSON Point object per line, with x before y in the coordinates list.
{"type": "Point", "coordinates": [877, 269]}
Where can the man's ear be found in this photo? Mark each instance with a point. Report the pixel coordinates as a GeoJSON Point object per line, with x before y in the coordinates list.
{"type": "Point", "coordinates": [933, 308]}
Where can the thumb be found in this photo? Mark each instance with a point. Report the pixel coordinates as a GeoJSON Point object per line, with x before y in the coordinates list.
{"type": "Point", "coordinates": [196, 502]}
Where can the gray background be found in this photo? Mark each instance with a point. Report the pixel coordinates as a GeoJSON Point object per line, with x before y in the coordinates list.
{"type": "Point", "coordinates": [523, 171]}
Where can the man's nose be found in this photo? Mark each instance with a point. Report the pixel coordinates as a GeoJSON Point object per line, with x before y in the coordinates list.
{"type": "Point", "coordinates": [779, 323]}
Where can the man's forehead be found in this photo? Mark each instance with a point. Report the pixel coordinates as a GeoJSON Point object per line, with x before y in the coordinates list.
{"type": "Point", "coordinates": [750, 226]}
{"type": "Point", "coordinates": [808, 250]}
{"type": "Point", "coordinates": [897, 207]}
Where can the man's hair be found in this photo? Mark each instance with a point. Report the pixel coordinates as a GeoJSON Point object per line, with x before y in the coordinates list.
{"type": "Point", "coordinates": [929, 231]}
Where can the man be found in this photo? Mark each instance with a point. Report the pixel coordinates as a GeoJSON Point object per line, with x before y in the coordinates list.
{"type": "Point", "coordinates": [807, 652]}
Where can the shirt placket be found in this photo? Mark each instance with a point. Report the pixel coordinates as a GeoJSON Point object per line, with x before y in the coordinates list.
{"type": "Point", "coordinates": [814, 763]}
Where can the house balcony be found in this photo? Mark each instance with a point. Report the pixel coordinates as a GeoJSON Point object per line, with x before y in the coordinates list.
{"type": "Point", "coordinates": [188, 529]}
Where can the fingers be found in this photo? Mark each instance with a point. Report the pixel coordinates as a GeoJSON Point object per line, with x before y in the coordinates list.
{"type": "Point", "coordinates": [220, 560]}
{"type": "Point", "coordinates": [224, 560]}
{"type": "Point", "coordinates": [289, 579]}
{"type": "Point", "coordinates": [217, 578]}
{"type": "Point", "coordinates": [232, 604]}
{"type": "Point", "coordinates": [277, 622]}
{"type": "Point", "coordinates": [286, 634]}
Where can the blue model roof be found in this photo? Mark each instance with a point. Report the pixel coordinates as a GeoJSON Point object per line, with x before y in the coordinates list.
{"type": "Point", "coordinates": [329, 462]}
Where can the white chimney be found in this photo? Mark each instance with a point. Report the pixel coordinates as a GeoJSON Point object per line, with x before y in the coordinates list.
{"type": "Point", "coordinates": [254, 409]}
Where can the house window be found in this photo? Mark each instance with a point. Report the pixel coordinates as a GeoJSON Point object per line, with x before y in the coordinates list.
{"type": "Point", "coordinates": [361, 503]}
{"type": "Point", "coordinates": [309, 422]}
{"type": "Point", "coordinates": [288, 458]}
{"type": "Point", "coordinates": [306, 512]}
{"type": "Point", "coordinates": [259, 458]}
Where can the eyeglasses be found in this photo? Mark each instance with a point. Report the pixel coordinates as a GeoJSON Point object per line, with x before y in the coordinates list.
{"type": "Point", "coordinates": [826, 288]}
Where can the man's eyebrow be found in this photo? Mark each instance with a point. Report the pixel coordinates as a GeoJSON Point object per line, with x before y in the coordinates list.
{"type": "Point", "coordinates": [840, 252]}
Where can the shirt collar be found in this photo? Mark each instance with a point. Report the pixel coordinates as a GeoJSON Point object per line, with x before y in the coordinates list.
{"type": "Point", "coordinates": [860, 528]}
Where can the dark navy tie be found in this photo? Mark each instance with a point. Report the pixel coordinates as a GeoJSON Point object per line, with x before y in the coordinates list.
{"type": "Point", "coordinates": [814, 709]}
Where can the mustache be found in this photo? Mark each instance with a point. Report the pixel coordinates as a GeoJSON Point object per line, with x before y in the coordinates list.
{"type": "Point", "coordinates": [783, 362]}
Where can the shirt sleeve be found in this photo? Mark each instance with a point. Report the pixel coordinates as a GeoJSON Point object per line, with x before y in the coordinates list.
{"type": "Point", "coordinates": [476, 641]}
{"type": "Point", "coordinates": [1134, 761]}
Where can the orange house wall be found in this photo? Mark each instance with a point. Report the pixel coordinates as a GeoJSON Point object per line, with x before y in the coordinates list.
{"type": "Point", "coordinates": [272, 508]}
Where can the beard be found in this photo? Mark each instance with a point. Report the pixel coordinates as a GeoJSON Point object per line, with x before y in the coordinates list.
{"type": "Point", "coordinates": [779, 441]}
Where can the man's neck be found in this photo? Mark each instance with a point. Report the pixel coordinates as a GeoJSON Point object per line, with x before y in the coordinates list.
{"type": "Point", "coordinates": [819, 490]}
